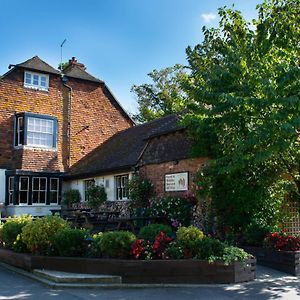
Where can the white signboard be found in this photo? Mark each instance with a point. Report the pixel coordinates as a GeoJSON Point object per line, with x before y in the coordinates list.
{"type": "Point", "coordinates": [176, 182]}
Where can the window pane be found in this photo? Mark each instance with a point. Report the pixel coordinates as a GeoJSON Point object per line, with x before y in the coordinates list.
{"type": "Point", "coordinates": [53, 197]}
{"type": "Point", "coordinates": [24, 183]}
{"type": "Point", "coordinates": [53, 184]}
{"type": "Point", "coordinates": [28, 78]}
{"type": "Point", "coordinates": [23, 196]}
{"type": "Point", "coordinates": [42, 197]}
{"type": "Point", "coordinates": [35, 184]}
{"type": "Point", "coordinates": [43, 183]}
{"type": "Point", "coordinates": [36, 79]}
{"type": "Point", "coordinates": [35, 197]}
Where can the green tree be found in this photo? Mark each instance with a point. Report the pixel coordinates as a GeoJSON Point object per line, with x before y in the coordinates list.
{"type": "Point", "coordinates": [161, 97]}
{"type": "Point", "coordinates": [245, 86]}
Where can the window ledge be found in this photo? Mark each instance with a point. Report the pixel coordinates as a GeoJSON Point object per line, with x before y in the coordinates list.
{"type": "Point", "coordinates": [35, 88]}
{"type": "Point", "coordinates": [25, 147]}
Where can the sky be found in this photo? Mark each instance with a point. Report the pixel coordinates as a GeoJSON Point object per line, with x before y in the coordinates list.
{"type": "Point", "coordinates": [119, 41]}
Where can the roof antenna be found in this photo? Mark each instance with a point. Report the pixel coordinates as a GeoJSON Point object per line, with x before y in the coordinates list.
{"type": "Point", "coordinates": [61, 53]}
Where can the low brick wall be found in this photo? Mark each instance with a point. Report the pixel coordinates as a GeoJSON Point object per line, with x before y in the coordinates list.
{"type": "Point", "coordinates": [285, 261]}
{"type": "Point", "coordinates": [139, 271]}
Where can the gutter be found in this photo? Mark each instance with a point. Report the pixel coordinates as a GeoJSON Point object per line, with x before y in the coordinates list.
{"type": "Point", "coordinates": [69, 120]}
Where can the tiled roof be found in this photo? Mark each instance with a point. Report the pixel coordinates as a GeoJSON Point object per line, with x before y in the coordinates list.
{"type": "Point", "coordinates": [75, 71]}
{"type": "Point", "coordinates": [124, 149]}
{"type": "Point", "coordinates": [36, 64]}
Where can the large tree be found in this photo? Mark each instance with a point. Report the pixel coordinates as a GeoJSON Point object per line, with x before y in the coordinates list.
{"type": "Point", "coordinates": [162, 96]}
{"type": "Point", "coordinates": [245, 88]}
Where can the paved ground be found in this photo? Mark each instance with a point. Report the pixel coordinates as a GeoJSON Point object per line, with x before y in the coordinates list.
{"type": "Point", "coordinates": [269, 285]}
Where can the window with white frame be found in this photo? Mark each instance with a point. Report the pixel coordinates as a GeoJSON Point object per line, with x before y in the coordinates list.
{"type": "Point", "coordinates": [36, 81]}
{"type": "Point", "coordinates": [40, 132]}
{"type": "Point", "coordinates": [39, 190]}
{"type": "Point", "coordinates": [11, 182]}
{"type": "Point", "coordinates": [23, 190]}
{"type": "Point", "coordinates": [121, 183]}
{"type": "Point", "coordinates": [88, 183]}
{"type": "Point", "coordinates": [54, 190]}
{"type": "Point", "coordinates": [35, 130]}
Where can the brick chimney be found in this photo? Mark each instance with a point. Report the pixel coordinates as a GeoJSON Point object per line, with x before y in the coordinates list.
{"type": "Point", "coordinates": [74, 62]}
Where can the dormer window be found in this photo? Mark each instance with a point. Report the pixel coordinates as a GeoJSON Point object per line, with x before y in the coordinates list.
{"type": "Point", "coordinates": [36, 81]}
{"type": "Point", "coordinates": [35, 130]}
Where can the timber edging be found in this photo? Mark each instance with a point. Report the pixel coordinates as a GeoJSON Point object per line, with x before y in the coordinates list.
{"type": "Point", "coordinates": [285, 261]}
{"type": "Point", "coordinates": [139, 271]}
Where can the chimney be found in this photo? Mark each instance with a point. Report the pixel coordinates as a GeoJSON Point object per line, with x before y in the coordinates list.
{"type": "Point", "coordinates": [73, 62]}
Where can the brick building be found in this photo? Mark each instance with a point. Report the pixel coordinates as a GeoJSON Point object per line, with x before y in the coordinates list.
{"type": "Point", "coordinates": [49, 120]}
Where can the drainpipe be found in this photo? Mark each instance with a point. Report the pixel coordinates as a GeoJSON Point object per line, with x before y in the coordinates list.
{"type": "Point", "coordinates": [64, 79]}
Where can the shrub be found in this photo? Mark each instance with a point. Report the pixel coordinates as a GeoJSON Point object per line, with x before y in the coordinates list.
{"type": "Point", "coordinates": [71, 197]}
{"type": "Point", "coordinates": [19, 245]}
{"type": "Point", "coordinates": [232, 254]}
{"type": "Point", "coordinates": [38, 235]}
{"type": "Point", "coordinates": [140, 192]}
{"type": "Point", "coordinates": [142, 249]}
{"type": "Point", "coordinates": [116, 244]}
{"type": "Point", "coordinates": [282, 241]}
{"type": "Point", "coordinates": [208, 248]}
{"type": "Point", "coordinates": [160, 246]}
{"type": "Point", "coordinates": [12, 227]}
{"type": "Point", "coordinates": [70, 242]}
{"type": "Point", "coordinates": [175, 250]}
{"type": "Point", "coordinates": [94, 249]}
{"type": "Point", "coordinates": [255, 234]}
{"type": "Point", "coordinates": [173, 208]}
{"type": "Point", "coordinates": [96, 196]}
{"type": "Point", "coordinates": [189, 237]}
{"type": "Point", "coordinates": [149, 232]}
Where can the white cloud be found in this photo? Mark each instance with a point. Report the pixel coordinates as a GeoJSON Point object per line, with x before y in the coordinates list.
{"type": "Point", "coordinates": [208, 18]}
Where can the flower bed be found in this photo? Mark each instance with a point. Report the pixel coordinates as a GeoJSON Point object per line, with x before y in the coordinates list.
{"type": "Point", "coordinates": [139, 271]}
{"type": "Point", "coordinates": [156, 255]}
{"type": "Point", "coordinates": [285, 261]}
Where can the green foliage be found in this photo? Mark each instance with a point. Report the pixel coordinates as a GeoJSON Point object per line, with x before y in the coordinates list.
{"type": "Point", "coordinates": [244, 97]}
{"type": "Point", "coordinates": [173, 208]}
{"type": "Point", "coordinates": [175, 250]}
{"type": "Point", "coordinates": [116, 244]}
{"type": "Point", "coordinates": [189, 234]}
{"type": "Point", "coordinates": [12, 228]}
{"type": "Point", "coordinates": [161, 97]}
{"type": "Point", "coordinates": [95, 250]}
{"type": "Point", "coordinates": [140, 192]}
{"type": "Point", "coordinates": [96, 196]}
{"type": "Point", "coordinates": [149, 232]}
{"type": "Point", "coordinates": [230, 255]}
{"type": "Point", "coordinates": [255, 234]}
{"type": "Point", "coordinates": [208, 248]}
{"type": "Point", "coordinates": [189, 238]}
{"type": "Point", "coordinates": [19, 245]}
{"type": "Point", "coordinates": [70, 242]}
{"type": "Point", "coordinates": [71, 197]}
{"type": "Point", "coordinates": [38, 235]}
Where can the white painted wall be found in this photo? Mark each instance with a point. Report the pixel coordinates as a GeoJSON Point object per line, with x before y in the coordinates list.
{"type": "Point", "coordinates": [108, 181]}
{"type": "Point", "coordinates": [2, 186]}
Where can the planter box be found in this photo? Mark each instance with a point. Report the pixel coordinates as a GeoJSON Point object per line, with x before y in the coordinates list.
{"type": "Point", "coordinates": [285, 261]}
{"type": "Point", "coordinates": [139, 271]}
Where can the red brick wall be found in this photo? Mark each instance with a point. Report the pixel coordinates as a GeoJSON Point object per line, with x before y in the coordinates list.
{"type": "Point", "coordinates": [91, 106]}
{"type": "Point", "coordinates": [156, 173]}
{"type": "Point", "coordinates": [95, 117]}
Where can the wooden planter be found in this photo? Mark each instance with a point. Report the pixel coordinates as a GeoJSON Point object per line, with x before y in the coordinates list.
{"type": "Point", "coordinates": [139, 271]}
{"type": "Point", "coordinates": [285, 261]}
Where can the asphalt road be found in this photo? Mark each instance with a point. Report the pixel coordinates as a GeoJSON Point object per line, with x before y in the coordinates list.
{"type": "Point", "coordinates": [269, 285]}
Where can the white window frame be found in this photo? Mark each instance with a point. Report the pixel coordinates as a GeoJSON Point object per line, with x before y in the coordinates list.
{"type": "Point", "coordinates": [39, 191]}
{"type": "Point", "coordinates": [11, 190]}
{"type": "Point", "coordinates": [122, 187]}
{"type": "Point", "coordinates": [20, 190]}
{"type": "Point", "coordinates": [40, 132]}
{"type": "Point", "coordinates": [90, 180]}
{"type": "Point", "coordinates": [57, 191]}
{"type": "Point", "coordinates": [38, 86]}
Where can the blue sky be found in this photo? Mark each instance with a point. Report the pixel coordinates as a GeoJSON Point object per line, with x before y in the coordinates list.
{"type": "Point", "coordinates": [119, 41]}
